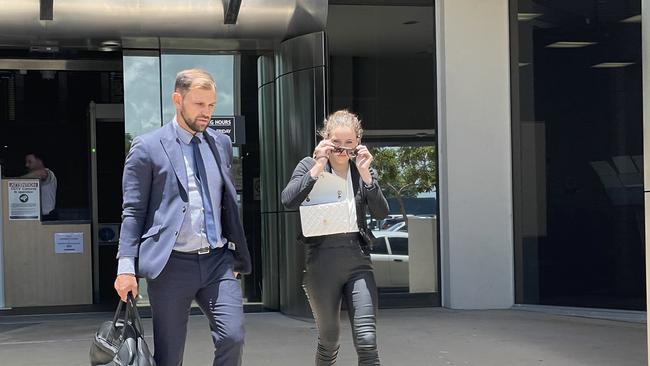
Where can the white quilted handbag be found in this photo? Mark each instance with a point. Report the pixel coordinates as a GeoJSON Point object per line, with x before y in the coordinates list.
{"type": "Point", "coordinates": [326, 210]}
{"type": "Point", "coordinates": [324, 219]}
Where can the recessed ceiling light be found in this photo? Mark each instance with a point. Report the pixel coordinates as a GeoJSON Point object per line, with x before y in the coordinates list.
{"type": "Point", "coordinates": [611, 65]}
{"type": "Point", "coordinates": [111, 44]}
{"type": "Point", "coordinates": [411, 22]}
{"type": "Point", "coordinates": [570, 44]}
{"type": "Point", "coordinates": [525, 17]}
{"type": "Point", "coordinates": [108, 48]}
{"type": "Point", "coordinates": [633, 19]}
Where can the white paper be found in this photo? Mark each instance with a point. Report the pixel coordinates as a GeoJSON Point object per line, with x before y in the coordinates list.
{"type": "Point", "coordinates": [24, 200]}
{"type": "Point", "coordinates": [68, 243]}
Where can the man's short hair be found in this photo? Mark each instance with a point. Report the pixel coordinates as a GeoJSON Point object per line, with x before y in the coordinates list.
{"type": "Point", "coordinates": [193, 79]}
{"type": "Point", "coordinates": [37, 154]}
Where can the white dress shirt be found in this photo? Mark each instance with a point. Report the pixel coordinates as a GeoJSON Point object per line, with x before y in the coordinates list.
{"type": "Point", "coordinates": [48, 193]}
{"type": "Point", "coordinates": [353, 226]}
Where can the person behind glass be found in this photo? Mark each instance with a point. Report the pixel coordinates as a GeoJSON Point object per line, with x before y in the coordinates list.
{"type": "Point", "coordinates": [338, 266]}
{"type": "Point", "coordinates": [35, 164]}
{"type": "Point", "coordinates": [181, 223]}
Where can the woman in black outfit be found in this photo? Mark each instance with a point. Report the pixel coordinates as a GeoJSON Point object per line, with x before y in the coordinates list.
{"type": "Point", "coordinates": [338, 265]}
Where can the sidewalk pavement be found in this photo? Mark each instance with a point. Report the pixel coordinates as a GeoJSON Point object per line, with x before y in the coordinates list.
{"type": "Point", "coordinates": [407, 337]}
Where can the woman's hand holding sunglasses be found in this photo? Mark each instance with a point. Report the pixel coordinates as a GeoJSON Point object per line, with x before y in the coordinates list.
{"type": "Point", "coordinates": [323, 150]}
{"type": "Point", "coordinates": [321, 155]}
{"type": "Point", "coordinates": [363, 161]}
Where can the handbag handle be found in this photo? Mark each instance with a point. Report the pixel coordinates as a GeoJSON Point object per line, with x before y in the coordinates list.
{"type": "Point", "coordinates": [131, 315]}
{"type": "Point", "coordinates": [135, 315]}
{"type": "Point", "coordinates": [117, 313]}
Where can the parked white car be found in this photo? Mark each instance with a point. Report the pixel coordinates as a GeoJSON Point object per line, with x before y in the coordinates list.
{"type": "Point", "coordinates": [400, 226]}
{"type": "Point", "coordinates": [390, 258]}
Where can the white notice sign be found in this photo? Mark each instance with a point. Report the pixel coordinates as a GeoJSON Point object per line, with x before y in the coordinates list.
{"type": "Point", "coordinates": [69, 243]}
{"type": "Point", "coordinates": [24, 200]}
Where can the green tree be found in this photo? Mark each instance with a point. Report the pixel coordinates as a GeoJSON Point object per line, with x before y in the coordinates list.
{"type": "Point", "coordinates": [405, 171]}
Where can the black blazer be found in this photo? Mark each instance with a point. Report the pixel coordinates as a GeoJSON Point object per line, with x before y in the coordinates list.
{"type": "Point", "coordinates": [368, 199]}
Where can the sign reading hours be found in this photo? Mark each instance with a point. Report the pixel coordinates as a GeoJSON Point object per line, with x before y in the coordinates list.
{"type": "Point", "coordinates": [232, 126]}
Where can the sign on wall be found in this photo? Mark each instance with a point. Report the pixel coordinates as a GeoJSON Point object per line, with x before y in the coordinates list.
{"type": "Point", "coordinates": [68, 243]}
{"type": "Point", "coordinates": [232, 126]}
{"type": "Point", "coordinates": [24, 199]}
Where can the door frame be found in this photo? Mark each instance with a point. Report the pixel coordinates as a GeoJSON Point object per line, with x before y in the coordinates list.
{"type": "Point", "coordinates": [102, 113]}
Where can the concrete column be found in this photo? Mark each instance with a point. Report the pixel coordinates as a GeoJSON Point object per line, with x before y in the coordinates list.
{"type": "Point", "coordinates": [474, 131]}
{"type": "Point", "coordinates": [645, 47]}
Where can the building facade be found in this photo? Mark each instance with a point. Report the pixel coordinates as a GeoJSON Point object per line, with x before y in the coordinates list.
{"type": "Point", "coordinates": [508, 135]}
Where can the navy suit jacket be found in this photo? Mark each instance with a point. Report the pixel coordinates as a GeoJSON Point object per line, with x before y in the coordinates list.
{"type": "Point", "coordinates": [155, 198]}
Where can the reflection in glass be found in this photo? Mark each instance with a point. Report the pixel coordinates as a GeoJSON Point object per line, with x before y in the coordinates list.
{"type": "Point", "coordinates": [577, 145]}
{"type": "Point", "coordinates": [141, 109]}
{"type": "Point", "coordinates": [141, 96]}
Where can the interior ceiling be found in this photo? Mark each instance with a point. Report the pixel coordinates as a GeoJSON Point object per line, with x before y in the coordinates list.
{"type": "Point", "coordinates": [353, 30]}
{"type": "Point", "coordinates": [556, 13]}
{"type": "Point", "coordinates": [368, 31]}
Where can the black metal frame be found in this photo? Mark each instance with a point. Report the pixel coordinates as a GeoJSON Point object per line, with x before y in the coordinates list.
{"type": "Point", "coordinates": [231, 11]}
{"type": "Point", "coordinates": [47, 9]}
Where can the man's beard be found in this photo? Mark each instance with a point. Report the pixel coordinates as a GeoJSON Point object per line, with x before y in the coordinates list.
{"type": "Point", "coordinates": [192, 124]}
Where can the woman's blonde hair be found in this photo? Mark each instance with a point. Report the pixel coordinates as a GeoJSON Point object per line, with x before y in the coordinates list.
{"type": "Point", "coordinates": [341, 118]}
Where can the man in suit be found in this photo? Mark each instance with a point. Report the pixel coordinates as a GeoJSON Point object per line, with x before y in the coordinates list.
{"type": "Point", "coordinates": [181, 229]}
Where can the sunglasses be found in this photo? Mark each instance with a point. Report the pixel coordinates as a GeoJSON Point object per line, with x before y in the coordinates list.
{"type": "Point", "coordinates": [351, 151]}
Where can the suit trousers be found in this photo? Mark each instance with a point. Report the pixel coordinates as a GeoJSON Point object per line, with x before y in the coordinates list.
{"type": "Point", "coordinates": [208, 279]}
{"type": "Point", "coordinates": [338, 269]}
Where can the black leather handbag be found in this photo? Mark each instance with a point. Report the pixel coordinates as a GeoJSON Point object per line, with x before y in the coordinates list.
{"type": "Point", "coordinates": [121, 341]}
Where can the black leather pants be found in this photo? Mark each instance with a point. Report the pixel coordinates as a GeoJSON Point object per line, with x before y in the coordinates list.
{"type": "Point", "coordinates": [337, 269]}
